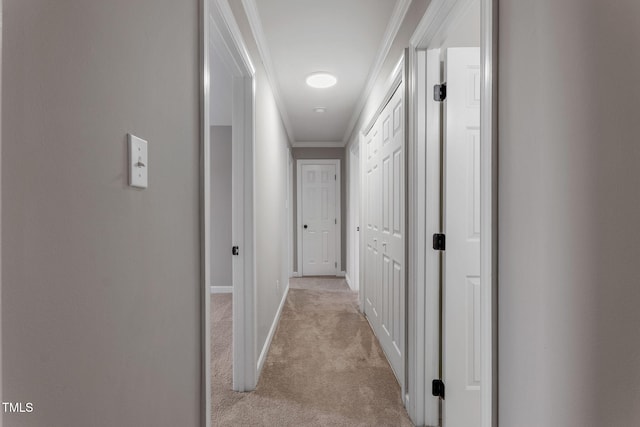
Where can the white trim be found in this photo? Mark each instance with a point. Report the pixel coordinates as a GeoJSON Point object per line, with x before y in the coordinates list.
{"type": "Point", "coordinates": [326, 144]}
{"type": "Point", "coordinates": [204, 220]}
{"type": "Point", "coordinates": [1, 80]}
{"type": "Point", "coordinates": [433, 29]}
{"type": "Point", "coordinates": [353, 212]}
{"type": "Point", "coordinates": [221, 30]}
{"type": "Point", "coordinates": [253, 16]}
{"type": "Point", "coordinates": [348, 280]}
{"type": "Point", "coordinates": [341, 274]}
{"type": "Point", "coordinates": [231, 37]}
{"type": "Point", "coordinates": [489, 213]}
{"type": "Point", "coordinates": [290, 221]}
{"type": "Point", "coordinates": [424, 220]}
{"type": "Point", "coordinates": [299, 164]}
{"type": "Point", "coordinates": [272, 331]}
{"type": "Point", "coordinates": [397, 17]}
{"type": "Point", "coordinates": [296, 274]}
{"type": "Point", "coordinates": [221, 289]}
{"type": "Point", "coordinates": [395, 80]}
{"type": "Point", "coordinates": [362, 242]}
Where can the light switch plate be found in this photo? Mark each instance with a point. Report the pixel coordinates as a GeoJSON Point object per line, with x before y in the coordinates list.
{"type": "Point", "coordinates": [138, 162]}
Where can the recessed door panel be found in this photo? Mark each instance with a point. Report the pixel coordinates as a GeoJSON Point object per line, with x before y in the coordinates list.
{"type": "Point", "coordinates": [384, 284]}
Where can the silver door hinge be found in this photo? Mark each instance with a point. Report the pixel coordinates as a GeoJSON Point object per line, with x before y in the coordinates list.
{"type": "Point", "coordinates": [335, 221]}
{"type": "Point", "coordinates": [336, 264]}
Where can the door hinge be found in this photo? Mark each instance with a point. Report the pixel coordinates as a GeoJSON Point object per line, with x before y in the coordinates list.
{"type": "Point", "coordinates": [439, 242]}
{"type": "Point", "coordinates": [235, 250]}
{"type": "Point", "coordinates": [335, 264]}
{"type": "Point", "coordinates": [437, 388]}
{"type": "Point", "coordinates": [335, 177]}
{"type": "Point", "coordinates": [335, 221]}
{"type": "Point", "coordinates": [440, 92]}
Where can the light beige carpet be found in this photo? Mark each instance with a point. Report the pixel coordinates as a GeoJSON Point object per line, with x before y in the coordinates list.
{"type": "Point", "coordinates": [325, 366]}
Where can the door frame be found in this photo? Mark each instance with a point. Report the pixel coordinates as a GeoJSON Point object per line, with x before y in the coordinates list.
{"type": "Point", "coordinates": [394, 82]}
{"type": "Point", "coordinates": [436, 24]}
{"type": "Point", "coordinates": [353, 235]}
{"type": "Point", "coordinates": [397, 77]}
{"type": "Point", "coordinates": [338, 194]}
{"type": "Point", "coordinates": [219, 29]}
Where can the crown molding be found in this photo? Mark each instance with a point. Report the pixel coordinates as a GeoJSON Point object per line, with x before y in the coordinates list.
{"type": "Point", "coordinates": [253, 16]}
{"type": "Point", "coordinates": [397, 16]}
{"type": "Point", "coordinates": [325, 144]}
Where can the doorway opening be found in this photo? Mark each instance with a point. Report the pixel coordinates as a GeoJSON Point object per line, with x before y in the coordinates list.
{"type": "Point", "coordinates": [229, 348]}
{"type": "Point", "coordinates": [452, 182]}
{"type": "Point", "coordinates": [319, 217]}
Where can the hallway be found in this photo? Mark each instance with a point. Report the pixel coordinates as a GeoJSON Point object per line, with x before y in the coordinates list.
{"type": "Point", "coordinates": [325, 366]}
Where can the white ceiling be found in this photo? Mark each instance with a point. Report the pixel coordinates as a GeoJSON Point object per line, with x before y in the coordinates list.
{"type": "Point", "coordinates": [343, 37]}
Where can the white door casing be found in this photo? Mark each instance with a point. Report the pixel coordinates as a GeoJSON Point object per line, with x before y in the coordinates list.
{"type": "Point", "coordinates": [461, 281]}
{"type": "Point", "coordinates": [220, 29]}
{"type": "Point", "coordinates": [354, 215]}
{"type": "Point", "coordinates": [384, 214]}
{"type": "Point", "coordinates": [318, 216]}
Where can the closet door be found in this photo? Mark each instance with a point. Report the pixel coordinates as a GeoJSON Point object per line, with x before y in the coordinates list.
{"type": "Point", "coordinates": [385, 240]}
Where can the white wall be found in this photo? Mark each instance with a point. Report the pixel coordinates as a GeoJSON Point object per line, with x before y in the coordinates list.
{"type": "Point", "coordinates": [569, 204]}
{"type": "Point", "coordinates": [100, 282]}
{"type": "Point", "coordinates": [271, 163]}
{"type": "Point", "coordinates": [270, 197]}
{"type": "Point", "coordinates": [221, 206]}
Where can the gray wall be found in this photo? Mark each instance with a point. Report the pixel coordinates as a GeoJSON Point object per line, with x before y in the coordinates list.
{"type": "Point", "coordinates": [320, 153]}
{"type": "Point", "coordinates": [271, 163]}
{"type": "Point", "coordinates": [221, 89]}
{"type": "Point", "coordinates": [569, 204]}
{"type": "Point", "coordinates": [1, 84]}
{"type": "Point", "coordinates": [100, 282]}
{"type": "Point", "coordinates": [221, 175]}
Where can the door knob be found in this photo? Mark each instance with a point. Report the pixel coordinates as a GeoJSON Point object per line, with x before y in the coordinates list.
{"type": "Point", "coordinates": [305, 226]}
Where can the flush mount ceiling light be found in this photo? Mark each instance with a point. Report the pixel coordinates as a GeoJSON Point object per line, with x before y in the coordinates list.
{"type": "Point", "coordinates": [320, 109]}
{"type": "Point", "coordinates": [321, 80]}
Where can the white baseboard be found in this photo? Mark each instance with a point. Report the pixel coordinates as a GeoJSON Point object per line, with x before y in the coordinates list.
{"type": "Point", "coordinates": [272, 331]}
{"type": "Point", "coordinates": [221, 289]}
{"type": "Point", "coordinates": [342, 274]}
{"type": "Point", "coordinates": [346, 277]}
{"type": "Point", "coordinates": [296, 274]}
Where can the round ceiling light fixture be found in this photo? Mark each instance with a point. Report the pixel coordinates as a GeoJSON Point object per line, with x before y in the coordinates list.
{"type": "Point", "coordinates": [320, 109]}
{"type": "Point", "coordinates": [321, 80]}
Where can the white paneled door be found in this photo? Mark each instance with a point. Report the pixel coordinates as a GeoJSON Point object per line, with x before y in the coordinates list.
{"type": "Point", "coordinates": [319, 218]}
{"type": "Point", "coordinates": [461, 286]}
{"type": "Point", "coordinates": [384, 214]}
